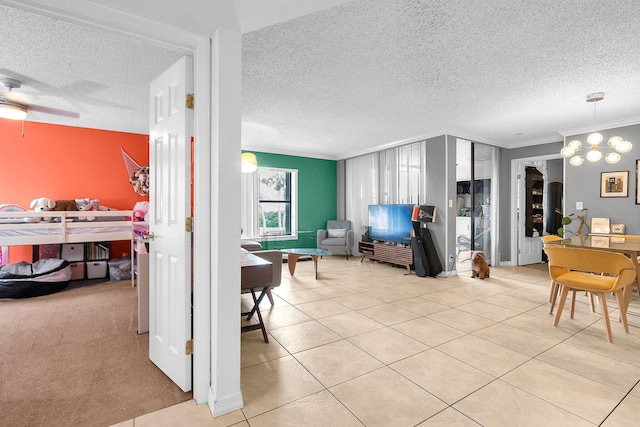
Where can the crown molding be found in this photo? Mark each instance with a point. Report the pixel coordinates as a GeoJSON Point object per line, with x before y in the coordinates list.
{"type": "Point", "coordinates": [113, 21]}
{"type": "Point", "coordinates": [601, 126]}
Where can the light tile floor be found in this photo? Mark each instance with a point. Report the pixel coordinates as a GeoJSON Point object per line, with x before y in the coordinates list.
{"type": "Point", "coordinates": [366, 344]}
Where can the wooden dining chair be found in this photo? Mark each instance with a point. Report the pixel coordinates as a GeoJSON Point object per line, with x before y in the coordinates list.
{"type": "Point", "coordinates": [554, 288]}
{"type": "Point", "coordinates": [595, 271]}
{"type": "Point", "coordinates": [634, 237]}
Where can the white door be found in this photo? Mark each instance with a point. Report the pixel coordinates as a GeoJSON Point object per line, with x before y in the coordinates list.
{"type": "Point", "coordinates": [170, 205]}
{"type": "Point", "coordinates": [529, 248]}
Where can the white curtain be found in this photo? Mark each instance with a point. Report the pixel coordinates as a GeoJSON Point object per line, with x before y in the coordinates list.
{"type": "Point", "coordinates": [250, 197]}
{"type": "Point", "coordinates": [362, 177]}
{"type": "Point", "coordinates": [403, 174]}
{"type": "Point", "coordinates": [395, 175]}
{"type": "Point", "coordinates": [389, 179]}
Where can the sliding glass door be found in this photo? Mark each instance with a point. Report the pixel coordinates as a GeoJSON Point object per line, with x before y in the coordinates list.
{"type": "Point", "coordinates": [475, 182]}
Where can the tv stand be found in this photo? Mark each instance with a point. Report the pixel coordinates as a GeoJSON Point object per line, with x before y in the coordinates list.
{"type": "Point", "coordinates": [385, 252]}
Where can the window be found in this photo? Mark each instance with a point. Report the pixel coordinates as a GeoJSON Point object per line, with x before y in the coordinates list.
{"type": "Point", "coordinates": [269, 203]}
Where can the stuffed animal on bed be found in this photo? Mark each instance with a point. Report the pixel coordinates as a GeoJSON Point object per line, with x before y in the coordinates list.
{"type": "Point", "coordinates": [64, 205]}
{"type": "Point", "coordinates": [44, 204]}
{"type": "Point", "coordinates": [87, 205]}
{"type": "Point", "coordinates": [140, 210]}
{"type": "Point", "coordinates": [41, 204]}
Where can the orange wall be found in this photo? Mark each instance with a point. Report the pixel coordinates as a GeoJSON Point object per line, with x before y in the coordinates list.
{"type": "Point", "coordinates": [64, 162]}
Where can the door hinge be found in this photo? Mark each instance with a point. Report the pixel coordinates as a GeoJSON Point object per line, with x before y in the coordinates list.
{"type": "Point", "coordinates": [188, 347]}
{"type": "Point", "coordinates": [188, 224]}
{"type": "Point", "coordinates": [189, 101]}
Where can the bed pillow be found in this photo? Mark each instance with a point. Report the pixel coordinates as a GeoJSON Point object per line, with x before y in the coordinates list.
{"type": "Point", "coordinates": [336, 232]}
{"type": "Point", "coordinates": [9, 207]}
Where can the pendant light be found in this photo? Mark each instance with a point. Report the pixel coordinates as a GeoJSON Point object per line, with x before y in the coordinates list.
{"type": "Point", "coordinates": [594, 151]}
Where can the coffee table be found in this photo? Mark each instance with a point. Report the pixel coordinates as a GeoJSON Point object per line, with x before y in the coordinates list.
{"type": "Point", "coordinates": [294, 253]}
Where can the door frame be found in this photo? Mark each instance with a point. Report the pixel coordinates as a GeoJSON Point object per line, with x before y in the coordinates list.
{"type": "Point", "coordinates": [514, 199]}
{"type": "Point", "coordinates": [199, 47]}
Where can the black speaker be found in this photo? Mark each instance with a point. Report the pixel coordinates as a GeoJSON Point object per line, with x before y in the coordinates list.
{"type": "Point", "coordinates": [420, 262]}
{"type": "Point", "coordinates": [435, 267]}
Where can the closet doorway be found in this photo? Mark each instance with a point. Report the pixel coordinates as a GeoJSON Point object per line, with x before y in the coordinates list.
{"type": "Point", "coordinates": [532, 205]}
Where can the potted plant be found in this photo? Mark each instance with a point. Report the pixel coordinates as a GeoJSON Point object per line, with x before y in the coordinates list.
{"type": "Point", "coordinates": [583, 227]}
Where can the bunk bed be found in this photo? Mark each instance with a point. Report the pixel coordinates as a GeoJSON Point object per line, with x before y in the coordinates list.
{"type": "Point", "coordinates": [39, 228]}
{"type": "Point", "coordinates": [18, 228]}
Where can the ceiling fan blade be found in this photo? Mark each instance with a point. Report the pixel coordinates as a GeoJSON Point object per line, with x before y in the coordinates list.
{"type": "Point", "coordinates": [54, 111]}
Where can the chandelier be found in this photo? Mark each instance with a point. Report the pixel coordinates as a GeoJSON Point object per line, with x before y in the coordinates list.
{"type": "Point", "coordinates": [594, 152]}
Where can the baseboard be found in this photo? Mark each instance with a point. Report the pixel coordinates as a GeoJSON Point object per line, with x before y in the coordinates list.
{"type": "Point", "coordinates": [226, 405]}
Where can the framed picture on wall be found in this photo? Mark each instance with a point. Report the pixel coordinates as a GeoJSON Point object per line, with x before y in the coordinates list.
{"type": "Point", "coordinates": [637, 182]}
{"type": "Point", "coordinates": [614, 184]}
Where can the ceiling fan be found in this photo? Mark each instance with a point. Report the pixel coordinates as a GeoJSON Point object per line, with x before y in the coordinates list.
{"type": "Point", "coordinates": [14, 107]}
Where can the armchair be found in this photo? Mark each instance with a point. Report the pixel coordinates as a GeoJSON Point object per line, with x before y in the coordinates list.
{"type": "Point", "coordinates": [338, 237]}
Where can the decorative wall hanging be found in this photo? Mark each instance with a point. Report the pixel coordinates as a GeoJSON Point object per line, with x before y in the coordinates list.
{"type": "Point", "coordinates": [138, 175]}
{"type": "Point", "coordinates": [614, 184]}
{"type": "Point", "coordinates": [637, 182]}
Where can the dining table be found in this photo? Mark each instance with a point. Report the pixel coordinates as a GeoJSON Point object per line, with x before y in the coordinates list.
{"type": "Point", "coordinates": [628, 245]}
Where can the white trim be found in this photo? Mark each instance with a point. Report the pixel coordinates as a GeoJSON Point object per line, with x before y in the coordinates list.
{"type": "Point", "coordinates": [111, 20]}
{"type": "Point", "coordinates": [202, 223]}
{"type": "Point", "coordinates": [514, 199]}
{"type": "Point", "coordinates": [600, 126]}
{"type": "Point", "coordinates": [224, 215]}
{"type": "Point", "coordinates": [226, 405]}
{"type": "Point", "coordinates": [287, 152]}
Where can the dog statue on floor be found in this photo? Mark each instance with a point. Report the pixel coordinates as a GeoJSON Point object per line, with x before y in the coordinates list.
{"type": "Point", "coordinates": [479, 266]}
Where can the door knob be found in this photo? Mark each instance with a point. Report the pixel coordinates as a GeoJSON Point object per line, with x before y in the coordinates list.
{"type": "Point", "coordinates": [148, 235]}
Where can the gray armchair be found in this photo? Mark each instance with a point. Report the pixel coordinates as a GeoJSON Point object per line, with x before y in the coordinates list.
{"type": "Point", "coordinates": [337, 238]}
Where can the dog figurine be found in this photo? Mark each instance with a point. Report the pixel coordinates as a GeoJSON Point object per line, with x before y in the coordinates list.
{"type": "Point", "coordinates": [479, 266]}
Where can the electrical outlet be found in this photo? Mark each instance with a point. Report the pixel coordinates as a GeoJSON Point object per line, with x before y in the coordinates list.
{"type": "Point", "coordinates": [578, 206]}
{"type": "Point", "coordinates": [450, 258]}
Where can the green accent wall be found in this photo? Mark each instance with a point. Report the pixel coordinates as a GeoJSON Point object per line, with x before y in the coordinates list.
{"type": "Point", "coordinates": [317, 195]}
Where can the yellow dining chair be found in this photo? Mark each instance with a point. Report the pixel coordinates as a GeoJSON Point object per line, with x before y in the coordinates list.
{"type": "Point", "coordinates": [555, 288]}
{"type": "Point", "coordinates": [553, 291]}
{"type": "Point", "coordinates": [595, 271]}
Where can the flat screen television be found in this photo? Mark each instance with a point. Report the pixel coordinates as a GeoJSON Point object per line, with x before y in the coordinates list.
{"type": "Point", "coordinates": [390, 223]}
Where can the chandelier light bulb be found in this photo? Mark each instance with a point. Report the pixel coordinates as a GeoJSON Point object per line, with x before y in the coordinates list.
{"type": "Point", "coordinates": [614, 141]}
{"type": "Point", "coordinates": [575, 144]}
{"type": "Point", "coordinates": [594, 154]}
{"type": "Point", "coordinates": [595, 138]}
{"type": "Point", "coordinates": [624, 147]}
{"type": "Point", "coordinates": [567, 151]}
{"type": "Point", "coordinates": [576, 160]}
{"type": "Point", "coordinates": [612, 158]}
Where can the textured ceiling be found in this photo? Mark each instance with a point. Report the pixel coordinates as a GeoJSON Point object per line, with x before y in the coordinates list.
{"type": "Point", "coordinates": [374, 72]}
{"type": "Point", "coordinates": [356, 77]}
{"type": "Point", "coordinates": [101, 76]}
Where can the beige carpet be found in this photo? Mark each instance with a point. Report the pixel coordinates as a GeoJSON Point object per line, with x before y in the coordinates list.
{"type": "Point", "coordinates": [74, 359]}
